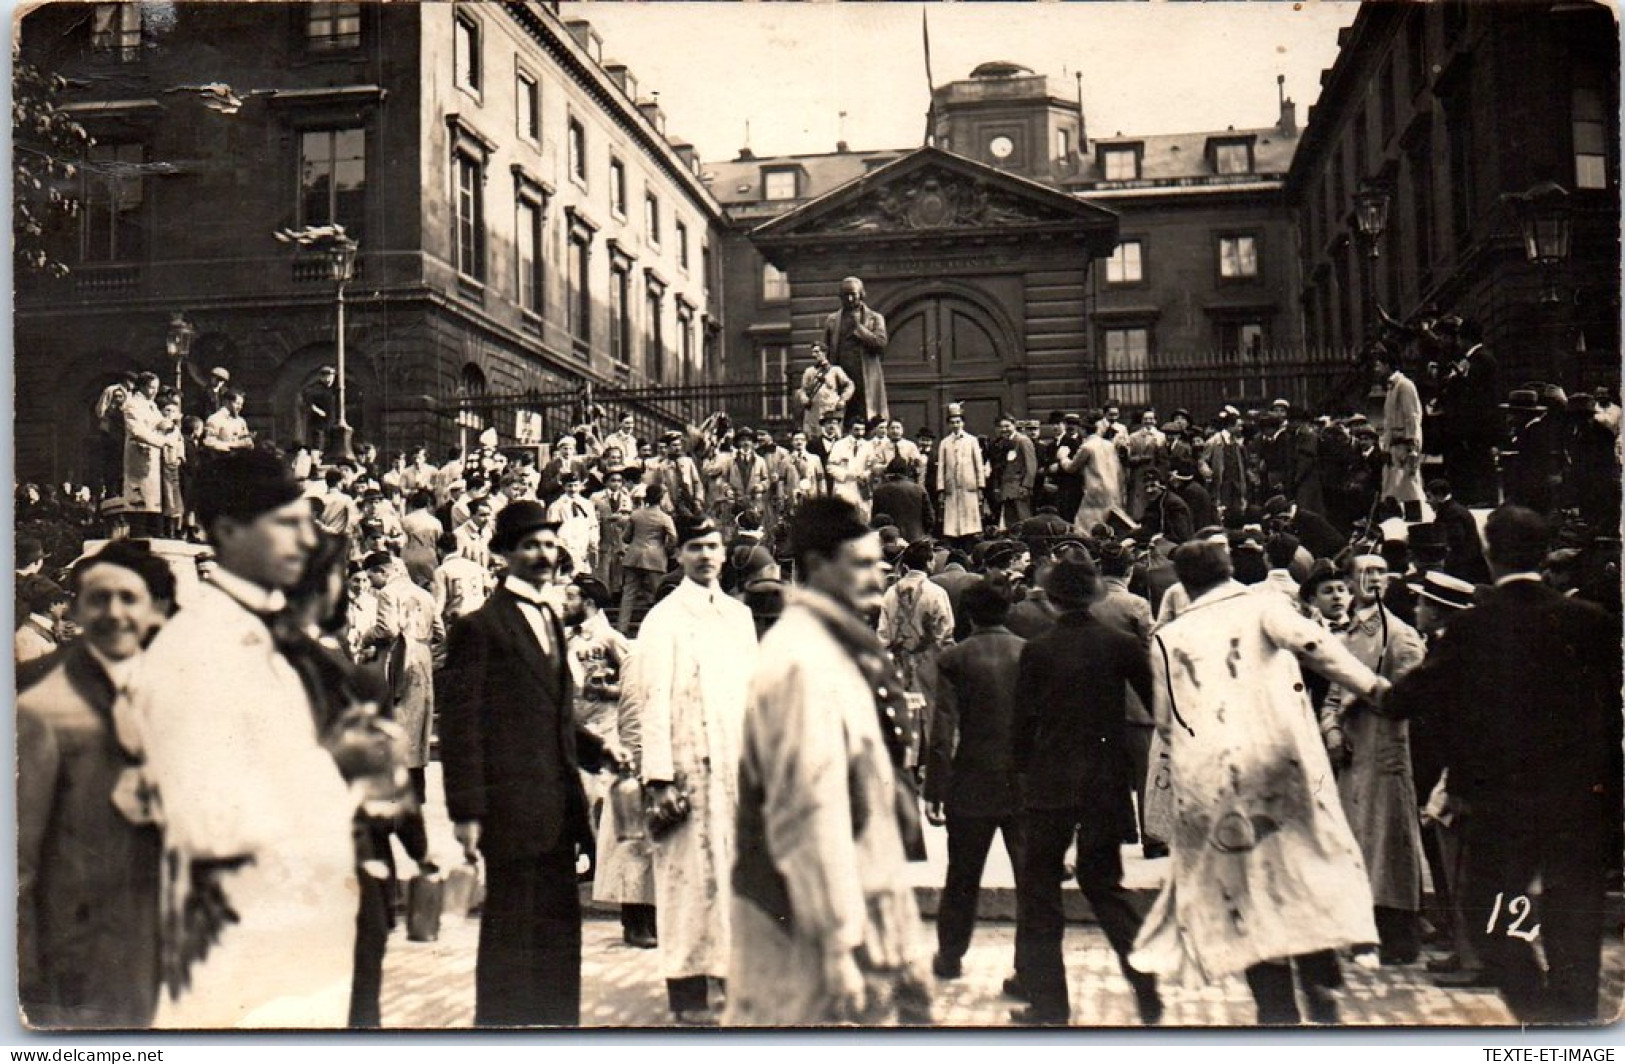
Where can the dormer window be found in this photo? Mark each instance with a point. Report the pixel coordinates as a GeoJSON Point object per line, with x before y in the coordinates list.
{"type": "Point", "coordinates": [1120, 163]}
{"type": "Point", "coordinates": [1230, 155]}
{"type": "Point", "coordinates": [779, 185]}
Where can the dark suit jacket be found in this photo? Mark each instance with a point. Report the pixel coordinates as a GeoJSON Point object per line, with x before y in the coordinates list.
{"type": "Point", "coordinates": [1071, 743]}
{"type": "Point", "coordinates": [1318, 535]}
{"type": "Point", "coordinates": [87, 878]}
{"type": "Point", "coordinates": [508, 738]}
{"type": "Point", "coordinates": [908, 505]}
{"type": "Point", "coordinates": [970, 763]}
{"type": "Point", "coordinates": [1526, 687]}
{"type": "Point", "coordinates": [955, 581]}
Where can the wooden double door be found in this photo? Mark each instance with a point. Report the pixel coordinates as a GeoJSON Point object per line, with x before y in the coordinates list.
{"type": "Point", "coordinates": [946, 349]}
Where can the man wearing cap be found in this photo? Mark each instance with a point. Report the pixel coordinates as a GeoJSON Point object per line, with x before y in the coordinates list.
{"type": "Point", "coordinates": [916, 625]}
{"type": "Point", "coordinates": [613, 505]}
{"type": "Point", "coordinates": [1464, 546]}
{"type": "Point", "coordinates": [696, 650]}
{"type": "Point", "coordinates": [1375, 784]}
{"type": "Point", "coordinates": [511, 750]}
{"type": "Point", "coordinates": [1526, 686]}
{"type": "Point", "coordinates": [1072, 752]}
{"type": "Point", "coordinates": [683, 494]}
{"type": "Point", "coordinates": [650, 538]}
{"type": "Point", "coordinates": [743, 483]}
{"type": "Point", "coordinates": [1012, 464]}
{"type": "Point", "coordinates": [577, 520]}
{"type": "Point", "coordinates": [803, 472]}
{"type": "Point", "coordinates": [1183, 484]}
{"type": "Point", "coordinates": [1247, 765]}
{"type": "Point", "coordinates": [624, 439]}
{"type": "Point", "coordinates": [855, 337]}
{"type": "Point", "coordinates": [257, 818]}
{"type": "Point", "coordinates": [825, 925]}
{"type": "Point", "coordinates": [319, 404]}
{"type": "Point", "coordinates": [1401, 434]}
{"type": "Point", "coordinates": [1226, 456]}
{"type": "Point", "coordinates": [961, 475]}
{"type": "Point", "coordinates": [825, 389]}
{"type": "Point", "coordinates": [1068, 479]}
{"type": "Point", "coordinates": [1144, 452]}
{"type": "Point", "coordinates": [225, 430]}
{"type": "Point", "coordinates": [88, 853]}
{"type": "Point", "coordinates": [1121, 610]}
{"type": "Point", "coordinates": [1274, 446]}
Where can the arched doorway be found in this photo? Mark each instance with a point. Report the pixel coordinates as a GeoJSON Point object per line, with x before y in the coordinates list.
{"type": "Point", "coordinates": [946, 346]}
{"type": "Point", "coordinates": [291, 420]}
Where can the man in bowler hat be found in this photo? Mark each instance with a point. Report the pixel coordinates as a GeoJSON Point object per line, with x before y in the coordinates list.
{"type": "Point", "coordinates": [511, 751]}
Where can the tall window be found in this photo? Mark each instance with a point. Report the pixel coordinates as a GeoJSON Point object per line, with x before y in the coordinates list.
{"type": "Point", "coordinates": [775, 284]}
{"type": "Point", "coordinates": [470, 233]}
{"type": "Point", "coordinates": [1463, 163]}
{"type": "Point", "coordinates": [617, 186]}
{"type": "Point", "coordinates": [1590, 139]}
{"type": "Point", "coordinates": [1127, 351]}
{"type": "Point", "coordinates": [1120, 164]}
{"type": "Point", "coordinates": [1422, 207]}
{"type": "Point", "coordinates": [466, 53]}
{"type": "Point", "coordinates": [685, 341]}
{"type": "Point", "coordinates": [779, 185]}
{"type": "Point", "coordinates": [112, 226]}
{"type": "Point", "coordinates": [651, 217]}
{"type": "Point", "coordinates": [115, 29]}
{"type": "Point", "coordinates": [1063, 145]}
{"type": "Point", "coordinates": [1232, 159]}
{"type": "Point", "coordinates": [654, 361]}
{"type": "Point", "coordinates": [333, 179]}
{"type": "Point", "coordinates": [1124, 265]}
{"type": "Point", "coordinates": [620, 314]}
{"type": "Point", "coordinates": [528, 105]}
{"type": "Point", "coordinates": [528, 240]}
{"type": "Point", "coordinates": [578, 150]}
{"type": "Point", "coordinates": [773, 363]}
{"type": "Point", "coordinates": [332, 27]}
{"type": "Point", "coordinates": [1238, 257]}
{"type": "Point", "coordinates": [580, 309]}
{"type": "Point", "coordinates": [682, 244]}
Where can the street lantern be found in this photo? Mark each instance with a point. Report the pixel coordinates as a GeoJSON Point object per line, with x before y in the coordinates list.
{"type": "Point", "coordinates": [1371, 214]}
{"type": "Point", "coordinates": [341, 251]}
{"type": "Point", "coordinates": [178, 342]}
{"type": "Point", "coordinates": [1547, 225]}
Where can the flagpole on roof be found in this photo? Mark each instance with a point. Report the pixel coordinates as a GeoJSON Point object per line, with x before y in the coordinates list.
{"type": "Point", "coordinates": [930, 84]}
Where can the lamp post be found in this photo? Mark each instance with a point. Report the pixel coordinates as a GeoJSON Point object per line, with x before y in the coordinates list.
{"type": "Point", "coordinates": [178, 342]}
{"type": "Point", "coordinates": [341, 250]}
{"type": "Point", "coordinates": [341, 263]}
{"type": "Point", "coordinates": [1371, 221]}
{"type": "Point", "coordinates": [1546, 223]}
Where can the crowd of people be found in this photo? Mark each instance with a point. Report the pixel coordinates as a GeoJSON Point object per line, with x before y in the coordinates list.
{"type": "Point", "coordinates": [1076, 636]}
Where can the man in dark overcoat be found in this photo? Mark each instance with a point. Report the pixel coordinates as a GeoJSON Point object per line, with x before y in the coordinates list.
{"type": "Point", "coordinates": [1526, 689]}
{"type": "Point", "coordinates": [1072, 753]}
{"type": "Point", "coordinates": [511, 751]}
{"type": "Point", "coordinates": [970, 773]}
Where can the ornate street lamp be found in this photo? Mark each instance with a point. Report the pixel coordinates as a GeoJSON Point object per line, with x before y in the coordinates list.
{"type": "Point", "coordinates": [341, 251]}
{"type": "Point", "coordinates": [1371, 214]}
{"type": "Point", "coordinates": [178, 342]}
{"type": "Point", "coordinates": [1547, 225]}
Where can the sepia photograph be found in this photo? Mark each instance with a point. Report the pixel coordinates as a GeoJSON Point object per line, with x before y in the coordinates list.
{"type": "Point", "coordinates": [715, 516]}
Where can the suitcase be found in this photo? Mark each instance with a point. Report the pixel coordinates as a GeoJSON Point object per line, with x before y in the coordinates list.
{"type": "Point", "coordinates": [464, 890]}
{"type": "Point", "coordinates": [425, 898]}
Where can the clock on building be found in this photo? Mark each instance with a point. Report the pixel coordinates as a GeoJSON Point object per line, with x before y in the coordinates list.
{"type": "Point", "coordinates": [1001, 147]}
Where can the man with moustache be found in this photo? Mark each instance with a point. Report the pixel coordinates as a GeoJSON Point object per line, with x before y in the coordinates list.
{"type": "Point", "coordinates": [511, 750]}
{"type": "Point", "coordinates": [856, 338]}
{"type": "Point", "coordinates": [88, 849]}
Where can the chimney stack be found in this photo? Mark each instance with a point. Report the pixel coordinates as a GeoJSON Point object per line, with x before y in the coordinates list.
{"type": "Point", "coordinates": [651, 112]}
{"type": "Point", "coordinates": [622, 76]}
{"type": "Point", "coordinates": [1288, 125]}
{"type": "Point", "coordinates": [586, 37]}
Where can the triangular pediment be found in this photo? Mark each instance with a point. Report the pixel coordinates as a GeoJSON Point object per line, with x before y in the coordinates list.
{"type": "Point", "coordinates": [931, 190]}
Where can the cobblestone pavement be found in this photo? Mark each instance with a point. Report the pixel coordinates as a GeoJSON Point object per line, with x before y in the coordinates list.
{"type": "Point", "coordinates": [432, 985]}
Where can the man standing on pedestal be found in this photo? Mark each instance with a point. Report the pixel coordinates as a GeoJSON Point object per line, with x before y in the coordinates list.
{"type": "Point", "coordinates": [825, 389]}
{"type": "Point", "coordinates": [696, 651]}
{"type": "Point", "coordinates": [1401, 436]}
{"type": "Point", "coordinates": [856, 338]}
{"type": "Point", "coordinates": [961, 473]}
